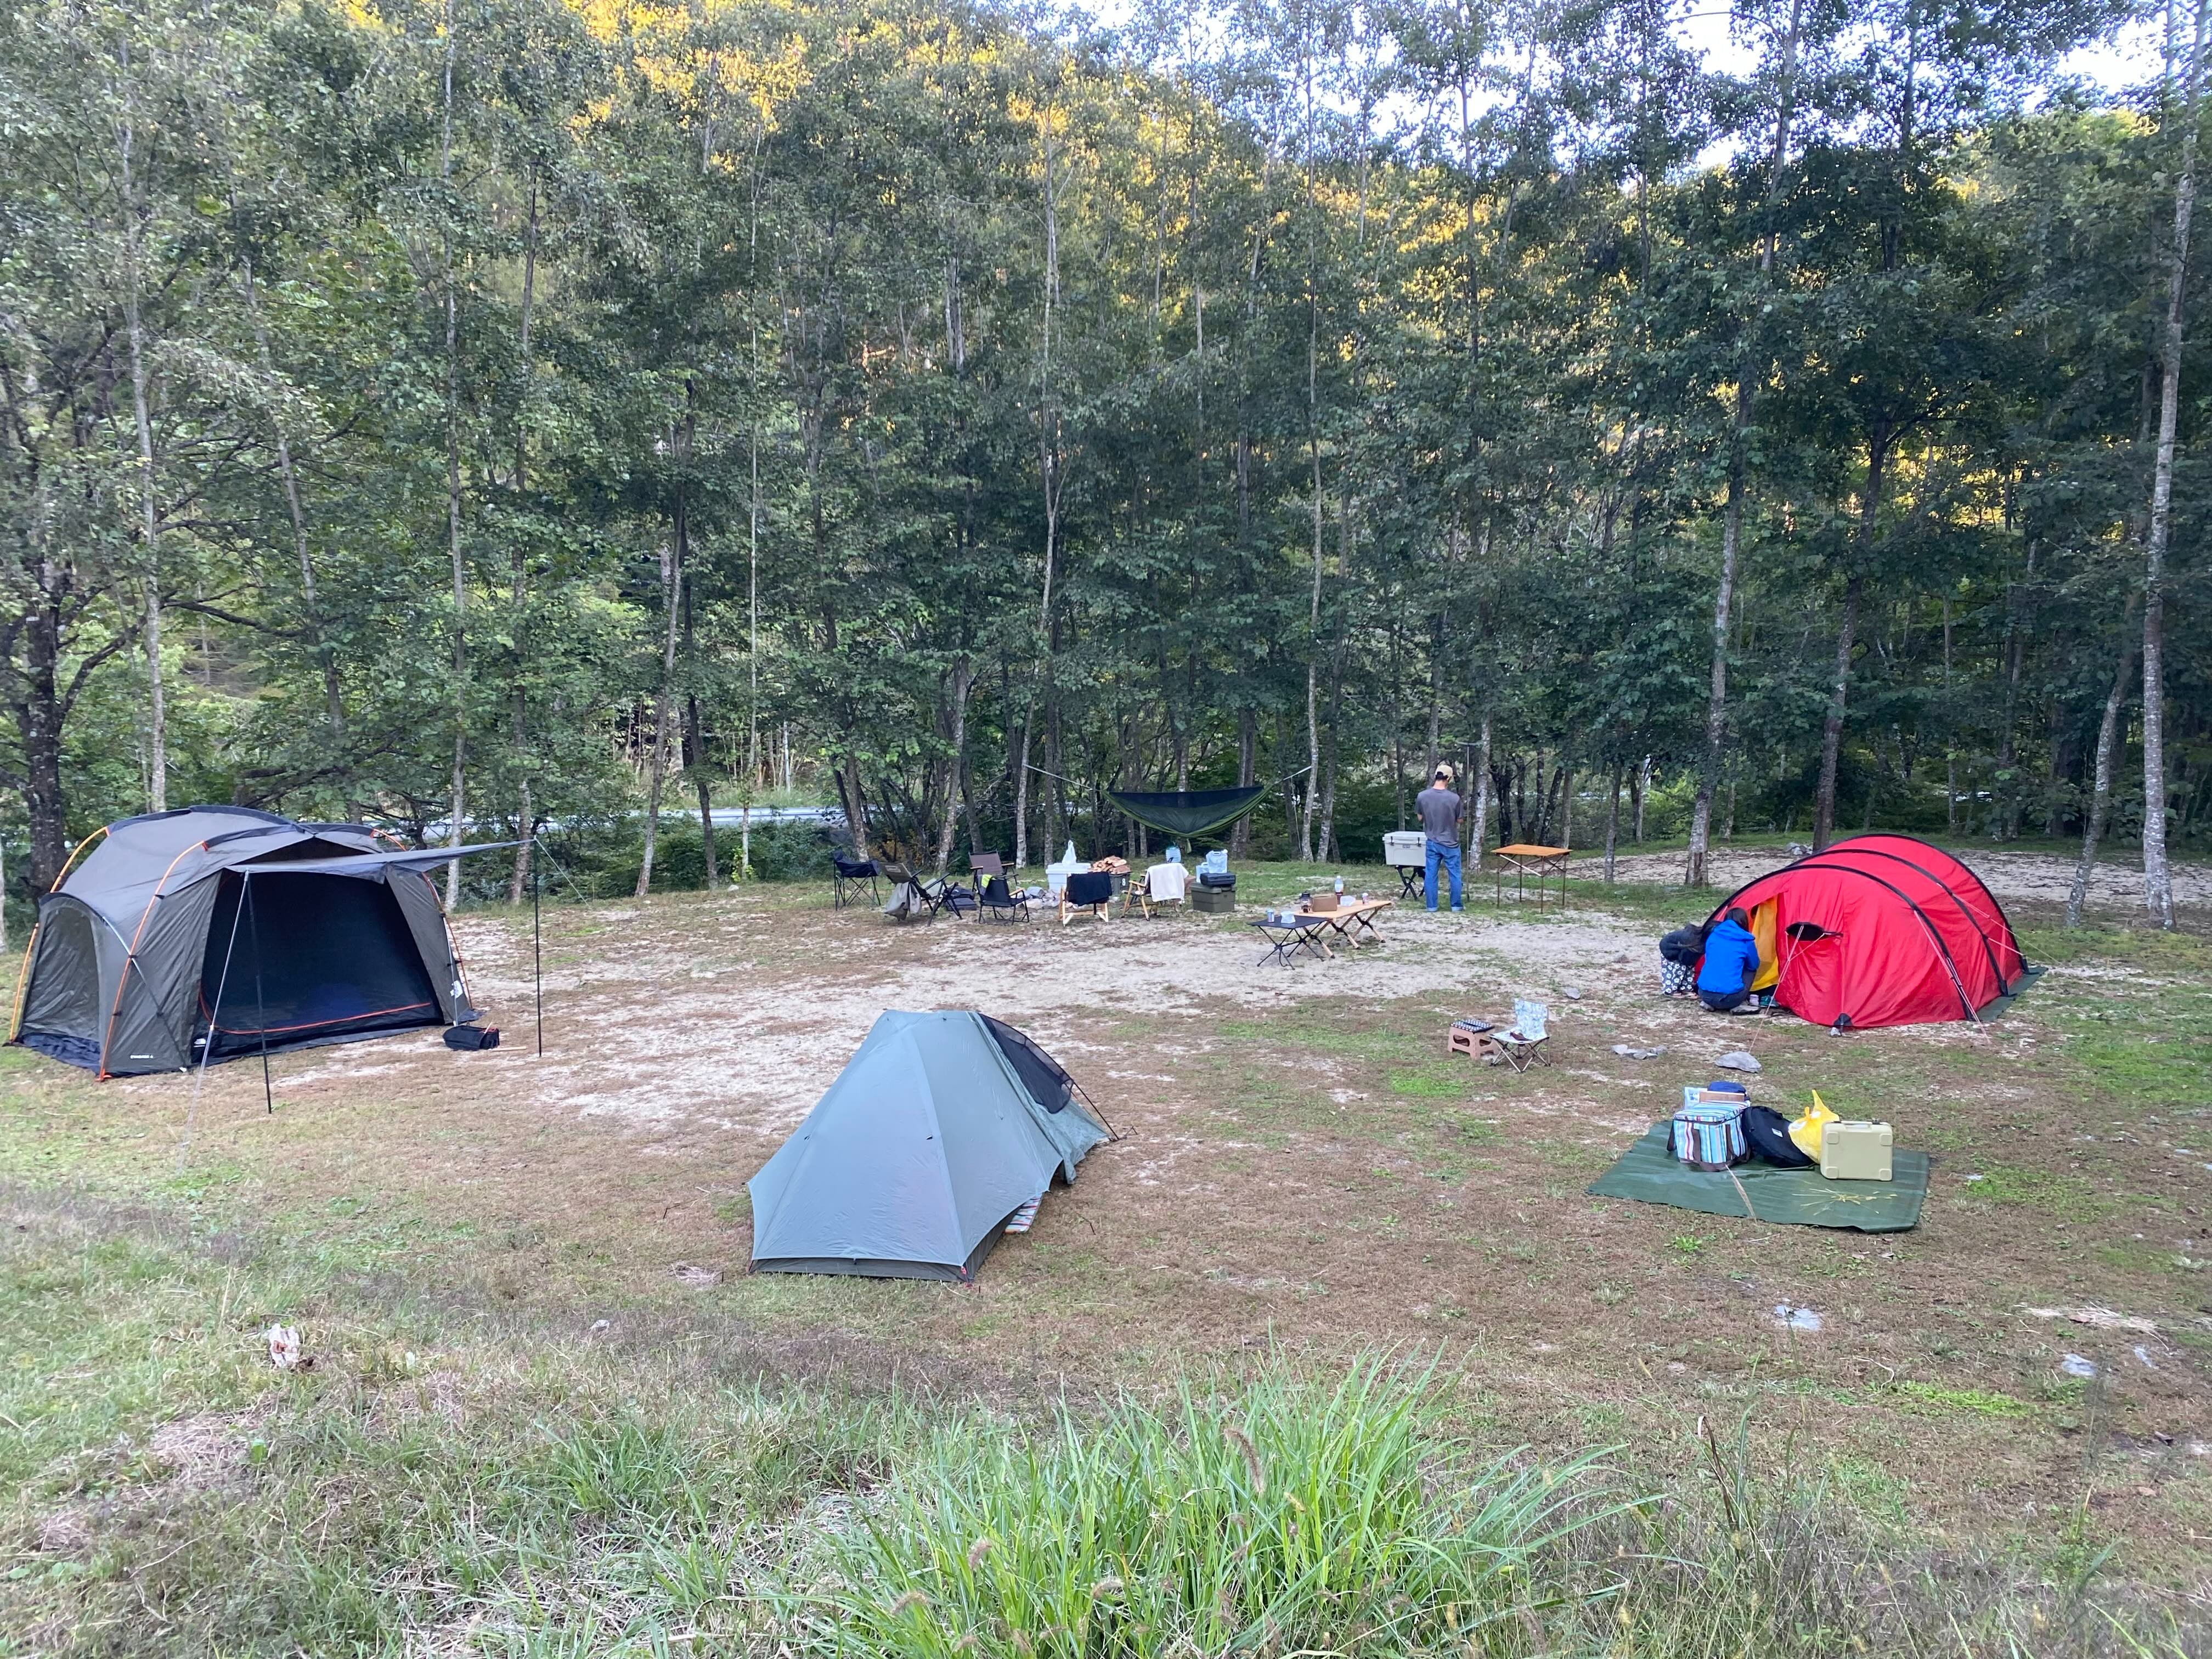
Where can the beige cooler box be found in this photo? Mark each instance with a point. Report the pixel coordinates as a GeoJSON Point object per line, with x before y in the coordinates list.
{"type": "Point", "coordinates": [1853, 1151]}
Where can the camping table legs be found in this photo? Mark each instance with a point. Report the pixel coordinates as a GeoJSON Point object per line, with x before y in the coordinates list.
{"type": "Point", "coordinates": [1354, 924]}
{"type": "Point", "coordinates": [1525, 860]}
{"type": "Point", "coordinates": [1285, 940]}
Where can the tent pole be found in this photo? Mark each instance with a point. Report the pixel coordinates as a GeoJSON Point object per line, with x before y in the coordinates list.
{"type": "Point", "coordinates": [537, 960]}
{"type": "Point", "coordinates": [261, 1009]}
{"type": "Point", "coordinates": [207, 1045]}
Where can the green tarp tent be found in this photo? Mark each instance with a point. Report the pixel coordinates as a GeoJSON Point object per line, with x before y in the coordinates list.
{"type": "Point", "coordinates": [938, 1129]}
{"type": "Point", "coordinates": [1188, 812]}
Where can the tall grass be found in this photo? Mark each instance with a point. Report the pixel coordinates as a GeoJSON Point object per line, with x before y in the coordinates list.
{"type": "Point", "coordinates": [1282, 1517]}
{"type": "Point", "coordinates": [444, 1485]}
{"type": "Point", "coordinates": [1289, 1519]}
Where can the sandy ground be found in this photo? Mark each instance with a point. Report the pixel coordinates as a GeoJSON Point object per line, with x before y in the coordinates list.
{"type": "Point", "coordinates": [666, 1051]}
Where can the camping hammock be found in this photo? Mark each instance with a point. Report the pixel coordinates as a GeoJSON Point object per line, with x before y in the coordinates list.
{"type": "Point", "coordinates": [1188, 812]}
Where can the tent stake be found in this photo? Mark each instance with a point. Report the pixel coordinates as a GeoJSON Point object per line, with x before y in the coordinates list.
{"type": "Point", "coordinates": [260, 1010]}
{"type": "Point", "coordinates": [537, 960]}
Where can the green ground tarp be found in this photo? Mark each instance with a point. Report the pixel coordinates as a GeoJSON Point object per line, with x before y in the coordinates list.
{"type": "Point", "coordinates": [1649, 1173]}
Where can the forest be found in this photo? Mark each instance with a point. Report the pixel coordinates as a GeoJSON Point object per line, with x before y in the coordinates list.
{"type": "Point", "coordinates": [512, 415]}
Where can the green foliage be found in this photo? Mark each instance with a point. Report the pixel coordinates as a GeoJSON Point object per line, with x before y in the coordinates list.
{"type": "Point", "coordinates": [918, 411]}
{"type": "Point", "coordinates": [1282, 1515]}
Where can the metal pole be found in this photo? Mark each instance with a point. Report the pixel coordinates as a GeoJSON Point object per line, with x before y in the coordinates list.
{"type": "Point", "coordinates": [537, 959]}
{"type": "Point", "coordinates": [260, 1008]}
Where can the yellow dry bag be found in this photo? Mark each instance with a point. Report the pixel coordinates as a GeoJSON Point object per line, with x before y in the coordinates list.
{"type": "Point", "coordinates": [1806, 1131]}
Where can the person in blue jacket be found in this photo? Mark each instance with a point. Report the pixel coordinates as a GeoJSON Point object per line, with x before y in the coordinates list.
{"type": "Point", "coordinates": [1730, 965]}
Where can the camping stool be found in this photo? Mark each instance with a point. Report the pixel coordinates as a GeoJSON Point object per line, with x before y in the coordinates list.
{"type": "Point", "coordinates": [1522, 1044]}
{"type": "Point", "coordinates": [1464, 1037]}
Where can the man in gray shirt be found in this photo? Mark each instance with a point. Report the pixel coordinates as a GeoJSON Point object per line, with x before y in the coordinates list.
{"type": "Point", "coordinates": [1440, 806]}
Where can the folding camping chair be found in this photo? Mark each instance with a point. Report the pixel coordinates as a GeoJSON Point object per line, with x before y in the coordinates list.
{"type": "Point", "coordinates": [930, 896]}
{"type": "Point", "coordinates": [999, 902]}
{"type": "Point", "coordinates": [981, 867]}
{"type": "Point", "coordinates": [847, 876]}
{"type": "Point", "coordinates": [1089, 891]}
{"type": "Point", "coordinates": [1163, 883]}
{"type": "Point", "coordinates": [1521, 1045]}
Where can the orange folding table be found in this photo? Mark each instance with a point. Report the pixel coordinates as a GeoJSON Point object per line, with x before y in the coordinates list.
{"type": "Point", "coordinates": [1524, 860]}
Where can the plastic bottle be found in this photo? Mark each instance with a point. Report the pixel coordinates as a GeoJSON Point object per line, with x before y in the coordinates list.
{"type": "Point", "coordinates": [1340, 887]}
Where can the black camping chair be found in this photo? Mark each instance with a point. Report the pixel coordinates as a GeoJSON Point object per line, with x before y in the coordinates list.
{"type": "Point", "coordinates": [997, 902]}
{"type": "Point", "coordinates": [847, 876]}
{"type": "Point", "coordinates": [981, 867]}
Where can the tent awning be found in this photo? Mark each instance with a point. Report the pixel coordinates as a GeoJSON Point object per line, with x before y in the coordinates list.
{"type": "Point", "coordinates": [1188, 812]}
{"type": "Point", "coordinates": [369, 866]}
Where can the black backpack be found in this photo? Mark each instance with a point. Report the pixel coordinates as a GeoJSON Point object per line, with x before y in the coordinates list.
{"type": "Point", "coordinates": [1766, 1132]}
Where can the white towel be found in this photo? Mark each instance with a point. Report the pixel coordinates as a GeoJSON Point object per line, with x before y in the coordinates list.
{"type": "Point", "coordinates": [1166, 883]}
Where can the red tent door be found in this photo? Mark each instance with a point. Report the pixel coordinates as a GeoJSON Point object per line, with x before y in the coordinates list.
{"type": "Point", "coordinates": [1809, 953]}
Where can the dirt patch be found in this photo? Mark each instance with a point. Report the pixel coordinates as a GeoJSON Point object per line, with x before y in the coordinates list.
{"type": "Point", "coordinates": [746, 1034]}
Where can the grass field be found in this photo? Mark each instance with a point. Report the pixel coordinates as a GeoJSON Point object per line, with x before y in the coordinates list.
{"type": "Point", "coordinates": [1330, 1352]}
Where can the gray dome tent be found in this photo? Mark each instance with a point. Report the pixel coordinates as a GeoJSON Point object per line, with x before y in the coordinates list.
{"type": "Point", "coordinates": [938, 1129]}
{"type": "Point", "coordinates": [238, 930]}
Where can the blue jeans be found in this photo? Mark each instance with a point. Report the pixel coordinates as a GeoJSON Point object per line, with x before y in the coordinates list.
{"type": "Point", "coordinates": [1445, 853]}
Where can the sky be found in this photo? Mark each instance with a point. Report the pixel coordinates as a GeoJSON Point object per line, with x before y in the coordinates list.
{"type": "Point", "coordinates": [2130, 58]}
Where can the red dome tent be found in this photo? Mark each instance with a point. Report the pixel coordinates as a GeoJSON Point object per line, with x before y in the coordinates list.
{"type": "Point", "coordinates": [1879, 930]}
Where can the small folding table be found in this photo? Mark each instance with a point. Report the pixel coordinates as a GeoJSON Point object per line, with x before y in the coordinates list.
{"type": "Point", "coordinates": [1290, 933]}
{"type": "Point", "coordinates": [1525, 859]}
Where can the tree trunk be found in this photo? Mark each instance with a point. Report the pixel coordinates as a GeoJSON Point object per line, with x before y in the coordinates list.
{"type": "Point", "coordinates": [1247, 774]}
{"type": "Point", "coordinates": [1613, 823]}
{"type": "Point", "coordinates": [672, 581]}
{"type": "Point", "coordinates": [1950, 741]}
{"type": "Point", "coordinates": [453, 482]}
{"type": "Point", "coordinates": [695, 762]}
{"type": "Point", "coordinates": [1022, 795]}
{"type": "Point", "coordinates": [1709, 775]}
{"type": "Point", "coordinates": [150, 530]}
{"type": "Point", "coordinates": [2101, 789]}
{"type": "Point", "coordinates": [848, 776]}
{"type": "Point", "coordinates": [2015, 650]}
{"type": "Point", "coordinates": [1476, 841]}
{"type": "Point", "coordinates": [38, 718]}
{"type": "Point", "coordinates": [963, 679]}
{"type": "Point", "coordinates": [525, 813]}
{"type": "Point", "coordinates": [1832, 728]}
{"type": "Point", "coordinates": [2158, 878]}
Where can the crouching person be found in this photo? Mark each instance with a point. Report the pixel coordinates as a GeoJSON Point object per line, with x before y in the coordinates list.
{"type": "Point", "coordinates": [1680, 953]}
{"type": "Point", "coordinates": [1731, 964]}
